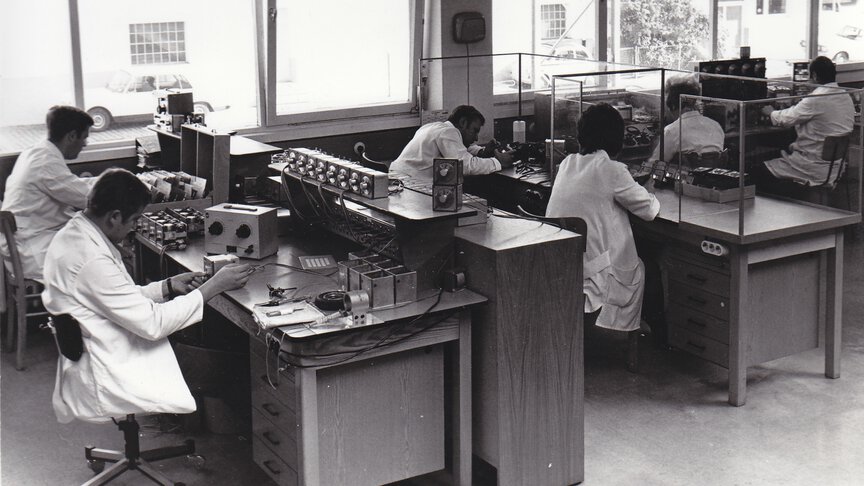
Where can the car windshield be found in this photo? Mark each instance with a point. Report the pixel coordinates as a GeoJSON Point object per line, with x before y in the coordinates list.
{"type": "Point", "coordinates": [119, 81]}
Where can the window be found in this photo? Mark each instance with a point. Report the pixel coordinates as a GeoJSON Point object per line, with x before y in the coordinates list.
{"type": "Point", "coordinates": [554, 19]}
{"type": "Point", "coordinates": [158, 43]}
{"type": "Point", "coordinates": [361, 62]}
{"type": "Point", "coordinates": [760, 32]}
{"type": "Point", "coordinates": [841, 31]}
{"type": "Point", "coordinates": [776, 6]}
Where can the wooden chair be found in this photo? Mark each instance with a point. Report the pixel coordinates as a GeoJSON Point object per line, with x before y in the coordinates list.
{"type": "Point", "coordinates": [835, 150]}
{"type": "Point", "coordinates": [578, 225]}
{"type": "Point", "coordinates": [23, 295]}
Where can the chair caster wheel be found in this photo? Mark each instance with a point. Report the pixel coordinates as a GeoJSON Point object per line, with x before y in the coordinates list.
{"type": "Point", "coordinates": [96, 465]}
{"type": "Point", "coordinates": [196, 460]}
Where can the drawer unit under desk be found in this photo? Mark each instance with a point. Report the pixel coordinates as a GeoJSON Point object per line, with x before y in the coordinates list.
{"type": "Point", "coordinates": [694, 321]}
{"type": "Point", "coordinates": [270, 463]}
{"type": "Point", "coordinates": [698, 276]}
{"type": "Point", "coordinates": [699, 345]}
{"type": "Point", "coordinates": [694, 298]}
{"type": "Point", "coordinates": [268, 378]}
{"type": "Point", "coordinates": [280, 441]}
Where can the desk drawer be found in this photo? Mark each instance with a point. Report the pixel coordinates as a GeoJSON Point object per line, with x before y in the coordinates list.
{"type": "Point", "coordinates": [692, 253]}
{"type": "Point", "coordinates": [272, 407]}
{"type": "Point", "coordinates": [693, 298]}
{"type": "Point", "coordinates": [706, 348]}
{"type": "Point", "coordinates": [281, 442]}
{"type": "Point", "coordinates": [698, 277]}
{"type": "Point", "coordinates": [698, 322]}
{"type": "Point", "coordinates": [276, 468]}
{"type": "Point", "coordinates": [280, 384]}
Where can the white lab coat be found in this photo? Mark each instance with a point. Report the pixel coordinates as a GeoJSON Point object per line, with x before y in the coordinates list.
{"type": "Point", "coordinates": [128, 365]}
{"type": "Point", "coordinates": [691, 132]}
{"type": "Point", "coordinates": [814, 119]}
{"type": "Point", "coordinates": [438, 140]}
{"type": "Point", "coordinates": [43, 195]}
{"type": "Point", "coordinates": [601, 191]}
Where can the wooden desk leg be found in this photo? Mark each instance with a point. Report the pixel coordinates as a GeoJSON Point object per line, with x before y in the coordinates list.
{"type": "Point", "coordinates": [307, 388]}
{"type": "Point", "coordinates": [462, 407]}
{"type": "Point", "coordinates": [834, 307]}
{"type": "Point", "coordinates": [738, 322]}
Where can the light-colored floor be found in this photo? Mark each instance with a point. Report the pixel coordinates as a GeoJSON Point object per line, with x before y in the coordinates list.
{"type": "Point", "coordinates": [667, 425]}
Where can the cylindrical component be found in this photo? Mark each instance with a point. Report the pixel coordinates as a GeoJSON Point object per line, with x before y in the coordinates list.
{"type": "Point", "coordinates": [244, 231]}
{"type": "Point", "coordinates": [519, 131]}
{"type": "Point", "coordinates": [215, 228]}
{"type": "Point", "coordinates": [356, 301]}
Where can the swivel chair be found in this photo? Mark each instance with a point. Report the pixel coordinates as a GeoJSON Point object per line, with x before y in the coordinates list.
{"type": "Point", "coordinates": [578, 225]}
{"type": "Point", "coordinates": [370, 163]}
{"type": "Point", "coordinates": [23, 295]}
{"type": "Point", "coordinates": [67, 335]}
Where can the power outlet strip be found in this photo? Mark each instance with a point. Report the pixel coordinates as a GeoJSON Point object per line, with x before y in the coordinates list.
{"type": "Point", "coordinates": [713, 248]}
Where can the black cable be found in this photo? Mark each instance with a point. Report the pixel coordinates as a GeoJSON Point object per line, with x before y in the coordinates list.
{"type": "Point", "coordinates": [294, 209]}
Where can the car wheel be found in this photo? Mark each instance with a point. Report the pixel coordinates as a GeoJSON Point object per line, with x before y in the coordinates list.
{"type": "Point", "coordinates": [841, 57]}
{"type": "Point", "coordinates": [101, 119]}
{"type": "Point", "coordinates": [202, 107]}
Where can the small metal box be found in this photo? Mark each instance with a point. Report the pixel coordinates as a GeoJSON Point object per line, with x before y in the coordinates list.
{"type": "Point", "coordinates": [247, 231]}
{"type": "Point", "coordinates": [379, 284]}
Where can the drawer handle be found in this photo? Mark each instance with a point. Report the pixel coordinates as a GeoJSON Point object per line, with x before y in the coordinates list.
{"type": "Point", "coordinates": [267, 435]}
{"type": "Point", "coordinates": [268, 465]}
{"type": "Point", "coordinates": [697, 278]}
{"type": "Point", "coordinates": [697, 346]}
{"type": "Point", "coordinates": [696, 300]}
{"type": "Point", "coordinates": [271, 409]}
{"type": "Point", "coordinates": [691, 321]}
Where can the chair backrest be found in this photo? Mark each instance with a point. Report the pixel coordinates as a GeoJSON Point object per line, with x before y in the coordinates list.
{"type": "Point", "coordinates": [574, 224]}
{"type": "Point", "coordinates": [374, 164]}
{"type": "Point", "coordinates": [835, 148]}
{"type": "Point", "coordinates": [67, 334]}
{"type": "Point", "coordinates": [8, 227]}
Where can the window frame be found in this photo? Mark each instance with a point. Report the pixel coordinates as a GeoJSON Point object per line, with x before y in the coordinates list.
{"type": "Point", "coordinates": [272, 119]}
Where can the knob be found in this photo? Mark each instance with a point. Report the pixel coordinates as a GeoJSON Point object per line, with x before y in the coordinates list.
{"type": "Point", "coordinates": [215, 228]}
{"type": "Point", "coordinates": [244, 231]}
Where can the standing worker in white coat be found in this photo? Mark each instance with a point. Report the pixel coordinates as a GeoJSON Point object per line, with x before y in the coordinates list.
{"type": "Point", "coordinates": [128, 365]}
{"type": "Point", "coordinates": [42, 192]}
{"type": "Point", "coordinates": [592, 186]}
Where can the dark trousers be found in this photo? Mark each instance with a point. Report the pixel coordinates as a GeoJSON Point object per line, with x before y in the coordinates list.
{"type": "Point", "coordinates": [766, 182]}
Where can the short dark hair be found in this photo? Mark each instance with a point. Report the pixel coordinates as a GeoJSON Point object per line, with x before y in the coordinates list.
{"type": "Point", "coordinates": [64, 119]}
{"type": "Point", "coordinates": [118, 189]}
{"type": "Point", "coordinates": [823, 70]}
{"type": "Point", "coordinates": [600, 128]}
{"type": "Point", "coordinates": [677, 86]}
{"type": "Point", "coordinates": [468, 112]}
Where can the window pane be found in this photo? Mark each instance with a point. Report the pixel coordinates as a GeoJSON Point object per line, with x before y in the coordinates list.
{"type": "Point", "coordinates": [36, 75]}
{"type": "Point", "coordinates": [748, 25]}
{"type": "Point", "coordinates": [123, 41]}
{"type": "Point", "coordinates": [673, 34]}
{"type": "Point", "coordinates": [360, 56]}
{"type": "Point", "coordinates": [841, 30]}
{"type": "Point", "coordinates": [565, 29]}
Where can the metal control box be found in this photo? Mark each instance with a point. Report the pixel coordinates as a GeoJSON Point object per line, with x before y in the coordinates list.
{"type": "Point", "coordinates": [246, 231]}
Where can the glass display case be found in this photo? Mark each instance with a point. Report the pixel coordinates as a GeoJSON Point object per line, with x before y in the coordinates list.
{"type": "Point", "coordinates": [791, 156]}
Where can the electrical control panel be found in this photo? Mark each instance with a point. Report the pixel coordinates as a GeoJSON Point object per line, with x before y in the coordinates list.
{"type": "Point", "coordinates": [335, 171]}
{"type": "Point", "coordinates": [247, 231]}
{"type": "Point", "coordinates": [163, 229]}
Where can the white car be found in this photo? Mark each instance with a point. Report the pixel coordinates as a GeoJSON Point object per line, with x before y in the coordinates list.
{"type": "Point", "coordinates": [132, 97]}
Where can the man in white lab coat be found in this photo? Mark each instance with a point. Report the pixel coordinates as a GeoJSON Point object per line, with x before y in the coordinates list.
{"type": "Point", "coordinates": [42, 192]}
{"type": "Point", "coordinates": [691, 131]}
{"type": "Point", "coordinates": [593, 186]}
{"type": "Point", "coordinates": [452, 139]}
{"type": "Point", "coordinates": [128, 365]}
{"type": "Point", "coordinates": [814, 118]}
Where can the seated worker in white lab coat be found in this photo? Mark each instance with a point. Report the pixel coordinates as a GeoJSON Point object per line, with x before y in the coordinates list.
{"type": "Point", "coordinates": [452, 139]}
{"type": "Point", "coordinates": [128, 365]}
{"type": "Point", "coordinates": [592, 186]}
{"type": "Point", "coordinates": [814, 119]}
{"type": "Point", "coordinates": [42, 192]}
{"type": "Point", "coordinates": [690, 132]}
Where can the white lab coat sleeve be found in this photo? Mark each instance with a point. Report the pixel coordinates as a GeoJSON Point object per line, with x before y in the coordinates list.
{"type": "Point", "coordinates": [632, 196]}
{"type": "Point", "coordinates": [104, 288]}
{"type": "Point", "coordinates": [795, 115]}
{"type": "Point", "coordinates": [153, 291]}
{"type": "Point", "coordinates": [452, 147]}
{"type": "Point", "coordinates": [61, 184]}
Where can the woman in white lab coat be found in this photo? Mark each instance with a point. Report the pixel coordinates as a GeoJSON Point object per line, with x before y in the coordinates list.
{"type": "Point", "coordinates": [592, 186]}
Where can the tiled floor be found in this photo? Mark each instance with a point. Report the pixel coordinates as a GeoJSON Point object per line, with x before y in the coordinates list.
{"type": "Point", "coordinates": [667, 425]}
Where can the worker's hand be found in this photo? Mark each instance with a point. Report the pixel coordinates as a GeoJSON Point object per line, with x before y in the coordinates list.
{"type": "Point", "coordinates": [186, 282]}
{"type": "Point", "coordinates": [767, 110]}
{"type": "Point", "coordinates": [649, 185]}
{"type": "Point", "coordinates": [229, 277]}
{"type": "Point", "coordinates": [489, 149]}
{"type": "Point", "coordinates": [505, 158]}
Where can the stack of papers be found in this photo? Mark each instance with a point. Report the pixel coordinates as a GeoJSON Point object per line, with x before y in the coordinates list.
{"type": "Point", "coordinates": [287, 314]}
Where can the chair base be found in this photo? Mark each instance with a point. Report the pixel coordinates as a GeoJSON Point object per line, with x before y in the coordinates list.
{"type": "Point", "coordinates": [133, 458]}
